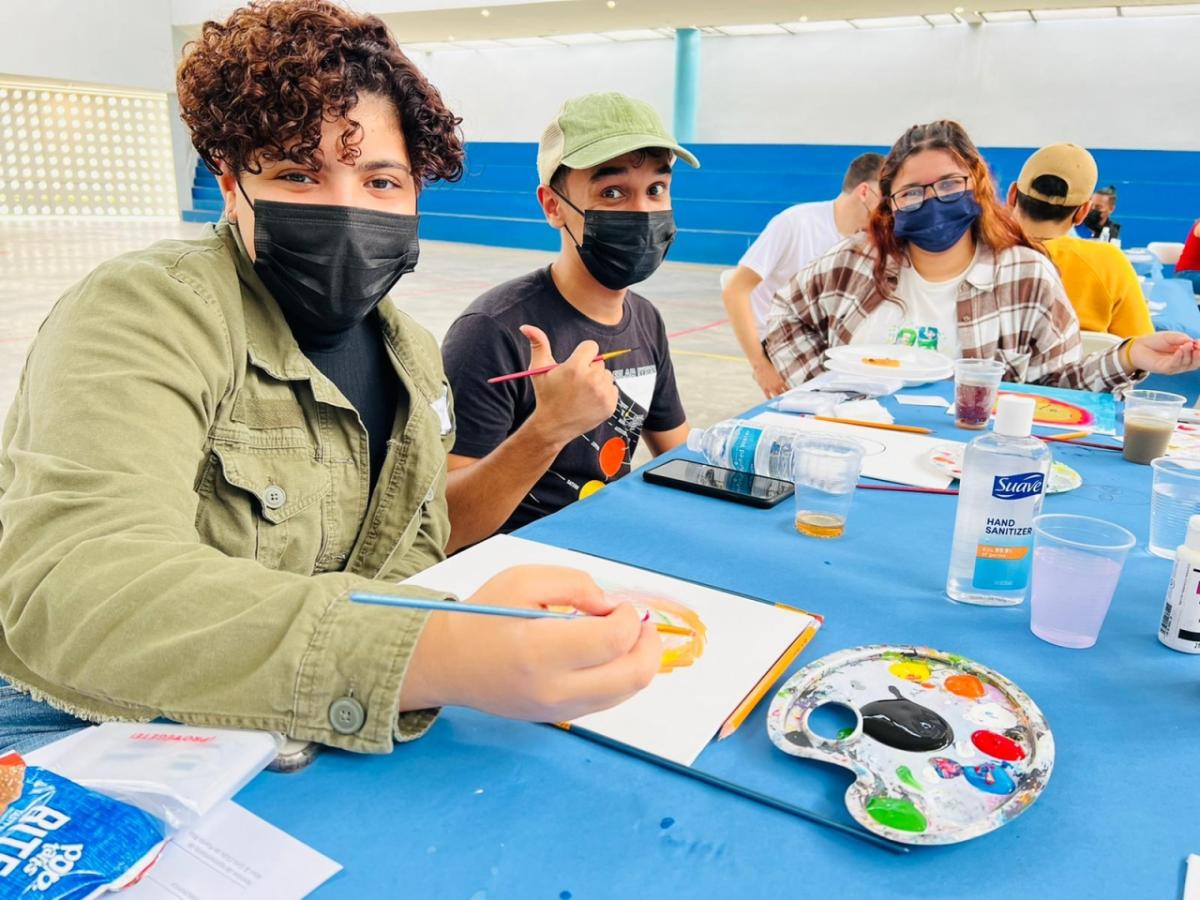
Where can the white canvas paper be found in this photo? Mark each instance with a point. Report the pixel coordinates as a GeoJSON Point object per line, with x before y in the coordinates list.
{"type": "Point", "coordinates": [895, 456]}
{"type": "Point", "coordinates": [677, 715]}
{"type": "Point", "coordinates": [236, 855]}
{"type": "Point", "coordinates": [922, 400]}
{"type": "Point", "coordinates": [231, 853]}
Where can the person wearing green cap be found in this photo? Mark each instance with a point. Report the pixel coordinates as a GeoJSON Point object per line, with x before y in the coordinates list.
{"type": "Point", "coordinates": [528, 447]}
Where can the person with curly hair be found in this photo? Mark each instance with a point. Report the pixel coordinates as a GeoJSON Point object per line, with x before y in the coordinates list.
{"type": "Point", "coordinates": [943, 265]}
{"type": "Point", "coordinates": [215, 441]}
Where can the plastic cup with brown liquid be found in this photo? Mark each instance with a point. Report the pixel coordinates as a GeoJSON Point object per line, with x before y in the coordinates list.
{"type": "Point", "coordinates": [1150, 418]}
{"type": "Point", "coordinates": [826, 474]}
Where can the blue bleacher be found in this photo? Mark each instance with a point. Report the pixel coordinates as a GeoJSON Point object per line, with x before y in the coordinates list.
{"type": "Point", "coordinates": [721, 207]}
{"type": "Point", "coordinates": [206, 197]}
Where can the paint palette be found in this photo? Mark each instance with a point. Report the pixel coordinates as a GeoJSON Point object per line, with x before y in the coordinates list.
{"type": "Point", "coordinates": [943, 748]}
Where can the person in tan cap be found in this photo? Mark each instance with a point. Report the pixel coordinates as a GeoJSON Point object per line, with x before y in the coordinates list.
{"type": "Point", "coordinates": [1052, 195]}
{"type": "Point", "coordinates": [528, 447]}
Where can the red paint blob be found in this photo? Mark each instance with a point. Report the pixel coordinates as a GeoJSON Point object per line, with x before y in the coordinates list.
{"type": "Point", "coordinates": [998, 745]}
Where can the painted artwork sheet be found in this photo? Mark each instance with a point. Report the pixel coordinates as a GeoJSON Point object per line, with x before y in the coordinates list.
{"type": "Point", "coordinates": [703, 677]}
{"type": "Point", "coordinates": [895, 456]}
{"type": "Point", "coordinates": [1068, 409]}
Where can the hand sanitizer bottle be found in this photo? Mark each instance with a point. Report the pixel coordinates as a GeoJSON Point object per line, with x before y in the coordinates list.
{"type": "Point", "coordinates": [1001, 490]}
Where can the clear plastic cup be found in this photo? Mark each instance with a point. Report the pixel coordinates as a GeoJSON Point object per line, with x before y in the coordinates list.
{"type": "Point", "coordinates": [1077, 562]}
{"type": "Point", "coordinates": [826, 473]}
{"type": "Point", "coordinates": [1174, 498]}
{"type": "Point", "coordinates": [976, 382]}
{"type": "Point", "coordinates": [1150, 418]}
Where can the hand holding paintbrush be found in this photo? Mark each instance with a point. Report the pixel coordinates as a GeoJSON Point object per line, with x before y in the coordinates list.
{"type": "Point", "coordinates": [545, 670]}
{"type": "Point", "coordinates": [571, 397]}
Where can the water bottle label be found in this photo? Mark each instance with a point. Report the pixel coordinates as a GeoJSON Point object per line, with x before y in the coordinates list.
{"type": "Point", "coordinates": [741, 452]}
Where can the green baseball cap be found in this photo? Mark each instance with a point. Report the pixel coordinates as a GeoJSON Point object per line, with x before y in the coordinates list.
{"type": "Point", "coordinates": [595, 128]}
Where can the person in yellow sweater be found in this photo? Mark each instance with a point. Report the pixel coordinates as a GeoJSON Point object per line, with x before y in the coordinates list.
{"type": "Point", "coordinates": [1052, 195]}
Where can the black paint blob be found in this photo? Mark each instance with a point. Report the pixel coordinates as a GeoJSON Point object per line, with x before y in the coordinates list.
{"type": "Point", "coordinates": [906, 725]}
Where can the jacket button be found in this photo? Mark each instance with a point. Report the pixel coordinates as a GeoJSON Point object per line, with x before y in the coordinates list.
{"type": "Point", "coordinates": [346, 715]}
{"type": "Point", "coordinates": [274, 496]}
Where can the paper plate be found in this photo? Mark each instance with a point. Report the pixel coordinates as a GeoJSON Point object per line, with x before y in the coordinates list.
{"type": "Point", "coordinates": [944, 749]}
{"type": "Point", "coordinates": [915, 365]}
{"type": "Point", "coordinates": [908, 360]}
{"type": "Point", "coordinates": [947, 459]}
{"type": "Point", "coordinates": [907, 381]}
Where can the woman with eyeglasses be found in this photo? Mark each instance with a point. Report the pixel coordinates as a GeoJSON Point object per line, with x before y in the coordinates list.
{"type": "Point", "coordinates": [943, 265]}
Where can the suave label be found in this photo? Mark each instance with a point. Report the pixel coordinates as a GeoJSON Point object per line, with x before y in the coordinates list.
{"type": "Point", "coordinates": [1004, 554]}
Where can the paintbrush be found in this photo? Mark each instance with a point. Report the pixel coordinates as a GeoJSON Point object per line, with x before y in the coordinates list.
{"type": "Point", "coordinates": [1074, 443]}
{"type": "Point", "coordinates": [906, 490]}
{"type": "Point", "coordinates": [514, 612]}
{"type": "Point", "coordinates": [1066, 436]}
{"type": "Point", "coordinates": [542, 370]}
{"type": "Point", "coordinates": [739, 790]}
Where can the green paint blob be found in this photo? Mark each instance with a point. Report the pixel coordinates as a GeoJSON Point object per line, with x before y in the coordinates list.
{"type": "Point", "coordinates": [845, 733]}
{"type": "Point", "coordinates": [906, 775]}
{"type": "Point", "coordinates": [896, 812]}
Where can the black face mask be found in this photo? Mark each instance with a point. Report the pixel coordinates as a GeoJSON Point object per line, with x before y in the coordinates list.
{"type": "Point", "coordinates": [1094, 220]}
{"type": "Point", "coordinates": [328, 267]}
{"type": "Point", "coordinates": [622, 248]}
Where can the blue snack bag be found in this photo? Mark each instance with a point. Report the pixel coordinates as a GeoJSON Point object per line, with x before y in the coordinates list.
{"type": "Point", "coordinates": [61, 840]}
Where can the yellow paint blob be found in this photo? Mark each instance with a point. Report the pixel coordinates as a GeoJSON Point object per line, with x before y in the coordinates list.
{"type": "Point", "coordinates": [910, 671]}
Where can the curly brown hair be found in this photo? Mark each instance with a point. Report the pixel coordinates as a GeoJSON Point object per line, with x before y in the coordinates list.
{"type": "Point", "coordinates": [258, 86]}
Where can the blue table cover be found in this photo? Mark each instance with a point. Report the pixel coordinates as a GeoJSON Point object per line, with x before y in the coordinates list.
{"type": "Point", "coordinates": [487, 808]}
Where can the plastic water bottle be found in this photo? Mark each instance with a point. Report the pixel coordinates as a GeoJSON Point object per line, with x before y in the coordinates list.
{"type": "Point", "coordinates": [747, 447]}
{"type": "Point", "coordinates": [1103, 238]}
{"type": "Point", "coordinates": [1001, 490]}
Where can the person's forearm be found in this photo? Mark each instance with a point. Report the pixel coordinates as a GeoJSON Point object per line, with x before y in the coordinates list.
{"type": "Point", "coordinates": [484, 494]}
{"type": "Point", "coordinates": [745, 328]}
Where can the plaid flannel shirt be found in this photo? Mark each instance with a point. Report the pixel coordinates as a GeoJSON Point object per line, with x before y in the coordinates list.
{"type": "Point", "coordinates": [1011, 307]}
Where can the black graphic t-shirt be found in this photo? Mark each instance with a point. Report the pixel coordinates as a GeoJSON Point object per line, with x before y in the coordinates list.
{"type": "Point", "coordinates": [485, 341]}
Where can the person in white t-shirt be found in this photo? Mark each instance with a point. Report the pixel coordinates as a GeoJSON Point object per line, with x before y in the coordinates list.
{"type": "Point", "coordinates": [922, 313]}
{"type": "Point", "coordinates": [791, 240]}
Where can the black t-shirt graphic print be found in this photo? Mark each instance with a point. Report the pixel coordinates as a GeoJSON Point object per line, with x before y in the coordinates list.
{"type": "Point", "coordinates": [485, 341]}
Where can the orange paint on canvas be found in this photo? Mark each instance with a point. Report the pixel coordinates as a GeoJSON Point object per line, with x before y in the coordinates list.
{"type": "Point", "coordinates": [1051, 411]}
{"type": "Point", "coordinates": [679, 650]}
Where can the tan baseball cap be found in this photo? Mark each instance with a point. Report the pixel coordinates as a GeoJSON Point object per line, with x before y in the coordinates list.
{"type": "Point", "coordinates": [595, 128]}
{"type": "Point", "coordinates": [1071, 163]}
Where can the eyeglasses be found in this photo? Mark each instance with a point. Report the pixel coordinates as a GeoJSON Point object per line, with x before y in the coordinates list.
{"type": "Point", "coordinates": [944, 189]}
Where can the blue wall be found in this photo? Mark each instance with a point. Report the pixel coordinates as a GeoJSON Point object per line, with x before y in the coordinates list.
{"type": "Point", "coordinates": [721, 207]}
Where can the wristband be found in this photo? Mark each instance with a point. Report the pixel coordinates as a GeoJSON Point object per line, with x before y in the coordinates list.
{"type": "Point", "coordinates": [1127, 355]}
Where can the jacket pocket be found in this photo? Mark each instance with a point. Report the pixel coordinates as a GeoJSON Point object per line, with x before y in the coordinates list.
{"type": "Point", "coordinates": [264, 505]}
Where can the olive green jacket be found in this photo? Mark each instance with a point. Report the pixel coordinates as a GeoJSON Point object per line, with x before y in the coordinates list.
{"type": "Point", "coordinates": [184, 508]}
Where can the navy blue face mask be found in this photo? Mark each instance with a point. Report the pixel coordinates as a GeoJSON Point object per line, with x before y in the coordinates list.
{"type": "Point", "coordinates": [937, 225]}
